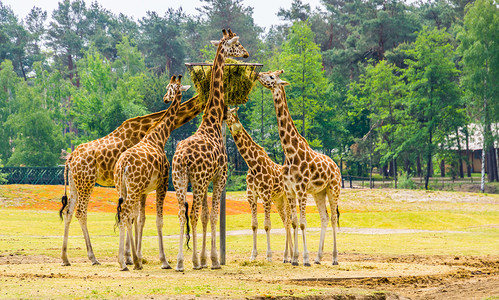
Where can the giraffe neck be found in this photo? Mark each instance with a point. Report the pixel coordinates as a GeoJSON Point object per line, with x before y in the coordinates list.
{"type": "Point", "coordinates": [133, 130]}
{"type": "Point", "coordinates": [291, 139]}
{"type": "Point", "coordinates": [248, 148]}
{"type": "Point", "coordinates": [160, 132]}
{"type": "Point", "coordinates": [214, 111]}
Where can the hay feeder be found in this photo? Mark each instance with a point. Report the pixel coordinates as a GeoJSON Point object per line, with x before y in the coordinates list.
{"type": "Point", "coordinates": [239, 79]}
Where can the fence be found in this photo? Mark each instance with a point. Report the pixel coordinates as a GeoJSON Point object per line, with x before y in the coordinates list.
{"type": "Point", "coordinates": [34, 175]}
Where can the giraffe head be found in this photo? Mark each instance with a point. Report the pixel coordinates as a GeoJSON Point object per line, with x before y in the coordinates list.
{"type": "Point", "coordinates": [233, 121]}
{"type": "Point", "coordinates": [271, 79]}
{"type": "Point", "coordinates": [173, 87]}
{"type": "Point", "coordinates": [230, 45]}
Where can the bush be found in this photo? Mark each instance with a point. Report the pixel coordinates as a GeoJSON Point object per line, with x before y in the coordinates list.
{"type": "Point", "coordinates": [406, 182]}
{"type": "Point", "coordinates": [236, 183]}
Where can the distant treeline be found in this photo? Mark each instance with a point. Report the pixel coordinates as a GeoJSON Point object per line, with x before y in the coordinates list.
{"type": "Point", "coordinates": [377, 85]}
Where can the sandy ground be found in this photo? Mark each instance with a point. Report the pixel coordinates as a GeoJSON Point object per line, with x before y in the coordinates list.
{"type": "Point", "coordinates": [393, 277]}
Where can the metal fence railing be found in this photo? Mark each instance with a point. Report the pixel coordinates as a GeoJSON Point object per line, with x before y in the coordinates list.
{"type": "Point", "coordinates": [34, 175]}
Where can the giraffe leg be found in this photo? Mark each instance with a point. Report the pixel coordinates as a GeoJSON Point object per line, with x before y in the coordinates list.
{"type": "Point", "coordinates": [302, 201]}
{"type": "Point", "coordinates": [267, 224]}
{"type": "Point", "coordinates": [291, 196]}
{"type": "Point", "coordinates": [332, 196]}
{"type": "Point", "coordinates": [81, 214]}
{"type": "Point", "coordinates": [283, 210]}
{"type": "Point", "coordinates": [136, 261]}
{"type": "Point", "coordinates": [254, 220]}
{"type": "Point", "coordinates": [160, 197]}
{"type": "Point", "coordinates": [197, 197]}
{"type": "Point", "coordinates": [139, 226]}
{"type": "Point", "coordinates": [320, 202]}
{"type": "Point", "coordinates": [205, 217]}
{"type": "Point", "coordinates": [218, 187]}
{"type": "Point", "coordinates": [121, 254]}
{"type": "Point", "coordinates": [128, 253]}
{"type": "Point", "coordinates": [180, 184]}
{"type": "Point", "coordinates": [68, 215]}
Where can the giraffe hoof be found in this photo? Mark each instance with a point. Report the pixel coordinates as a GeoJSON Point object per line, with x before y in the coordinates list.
{"type": "Point", "coordinates": [294, 263]}
{"type": "Point", "coordinates": [138, 268]}
{"type": "Point", "coordinates": [197, 267]}
{"type": "Point", "coordinates": [306, 264]}
{"type": "Point", "coordinates": [216, 267]}
{"type": "Point", "coordinates": [179, 270]}
{"type": "Point", "coordinates": [335, 263]}
{"type": "Point", "coordinates": [167, 267]}
{"type": "Point", "coordinates": [286, 261]}
{"type": "Point", "coordinates": [317, 262]}
{"type": "Point", "coordinates": [65, 264]}
{"type": "Point", "coordinates": [96, 263]}
{"type": "Point", "coordinates": [204, 266]}
{"type": "Point", "coordinates": [129, 261]}
{"type": "Point", "coordinates": [125, 269]}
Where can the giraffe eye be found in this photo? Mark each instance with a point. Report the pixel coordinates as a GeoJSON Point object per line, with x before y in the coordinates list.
{"type": "Point", "coordinates": [272, 77]}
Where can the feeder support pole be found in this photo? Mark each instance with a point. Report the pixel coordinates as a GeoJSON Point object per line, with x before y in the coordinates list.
{"type": "Point", "coordinates": [222, 207]}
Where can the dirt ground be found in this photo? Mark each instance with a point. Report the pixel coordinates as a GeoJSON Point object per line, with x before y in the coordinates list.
{"type": "Point", "coordinates": [359, 276]}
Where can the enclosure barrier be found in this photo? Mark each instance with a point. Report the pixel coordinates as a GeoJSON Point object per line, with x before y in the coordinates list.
{"type": "Point", "coordinates": [33, 175]}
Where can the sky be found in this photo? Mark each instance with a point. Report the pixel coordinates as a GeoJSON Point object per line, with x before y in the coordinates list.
{"type": "Point", "coordinates": [264, 11]}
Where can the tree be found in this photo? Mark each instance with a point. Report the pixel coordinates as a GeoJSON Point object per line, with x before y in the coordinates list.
{"type": "Point", "coordinates": [38, 140]}
{"type": "Point", "coordinates": [161, 42]}
{"type": "Point", "coordinates": [302, 62]}
{"type": "Point", "coordinates": [218, 14]}
{"type": "Point", "coordinates": [8, 83]}
{"type": "Point", "coordinates": [380, 96]}
{"type": "Point", "coordinates": [479, 48]}
{"type": "Point", "coordinates": [433, 94]}
{"type": "Point", "coordinates": [13, 40]}
{"type": "Point", "coordinates": [67, 36]}
{"type": "Point", "coordinates": [104, 99]}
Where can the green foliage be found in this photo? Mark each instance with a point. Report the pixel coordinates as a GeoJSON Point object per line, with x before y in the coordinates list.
{"type": "Point", "coordinates": [236, 183]}
{"type": "Point", "coordinates": [38, 140]}
{"type": "Point", "coordinates": [108, 96]}
{"type": "Point", "coordinates": [302, 63]}
{"type": "Point", "coordinates": [479, 48]}
{"type": "Point", "coordinates": [405, 182]}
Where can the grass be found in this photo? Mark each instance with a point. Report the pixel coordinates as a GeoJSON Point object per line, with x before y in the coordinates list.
{"type": "Point", "coordinates": [459, 224]}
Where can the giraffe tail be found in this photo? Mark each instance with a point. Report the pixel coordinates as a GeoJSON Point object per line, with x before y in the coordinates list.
{"type": "Point", "coordinates": [338, 216]}
{"type": "Point", "coordinates": [118, 212]}
{"type": "Point", "coordinates": [187, 235]}
{"type": "Point", "coordinates": [64, 199]}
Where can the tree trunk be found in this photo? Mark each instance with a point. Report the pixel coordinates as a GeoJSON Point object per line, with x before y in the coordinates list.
{"type": "Point", "coordinates": [482, 180]}
{"type": "Point", "coordinates": [460, 156]}
{"type": "Point", "coordinates": [395, 171]}
{"type": "Point", "coordinates": [442, 168]}
{"type": "Point", "coordinates": [470, 159]}
{"type": "Point", "coordinates": [418, 166]}
{"type": "Point", "coordinates": [492, 164]}
{"type": "Point", "coordinates": [428, 163]}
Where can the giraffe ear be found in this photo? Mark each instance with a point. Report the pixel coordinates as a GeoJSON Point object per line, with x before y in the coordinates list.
{"type": "Point", "coordinates": [232, 41]}
{"type": "Point", "coordinates": [282, 82]}
{"type": "Point", "coordinates": [215, 43]}
{"type": "Point", "coordinates": [185, 88]}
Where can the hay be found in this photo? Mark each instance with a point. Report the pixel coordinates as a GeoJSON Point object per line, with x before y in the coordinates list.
{"type": "Point", "coordinates": [238, 80]}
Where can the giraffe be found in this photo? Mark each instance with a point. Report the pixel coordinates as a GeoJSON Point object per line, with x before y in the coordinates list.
{"type": "Point", "coordinates": [264, 181]}
{"type": "Point", "coordinates": [142, 169]}
{"type": "Point", "coordinates": [93, 162]}
{"type": "Point", "coordinates": [305, 172]}
{"type": "Point", "coordinates": [202, 158]}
